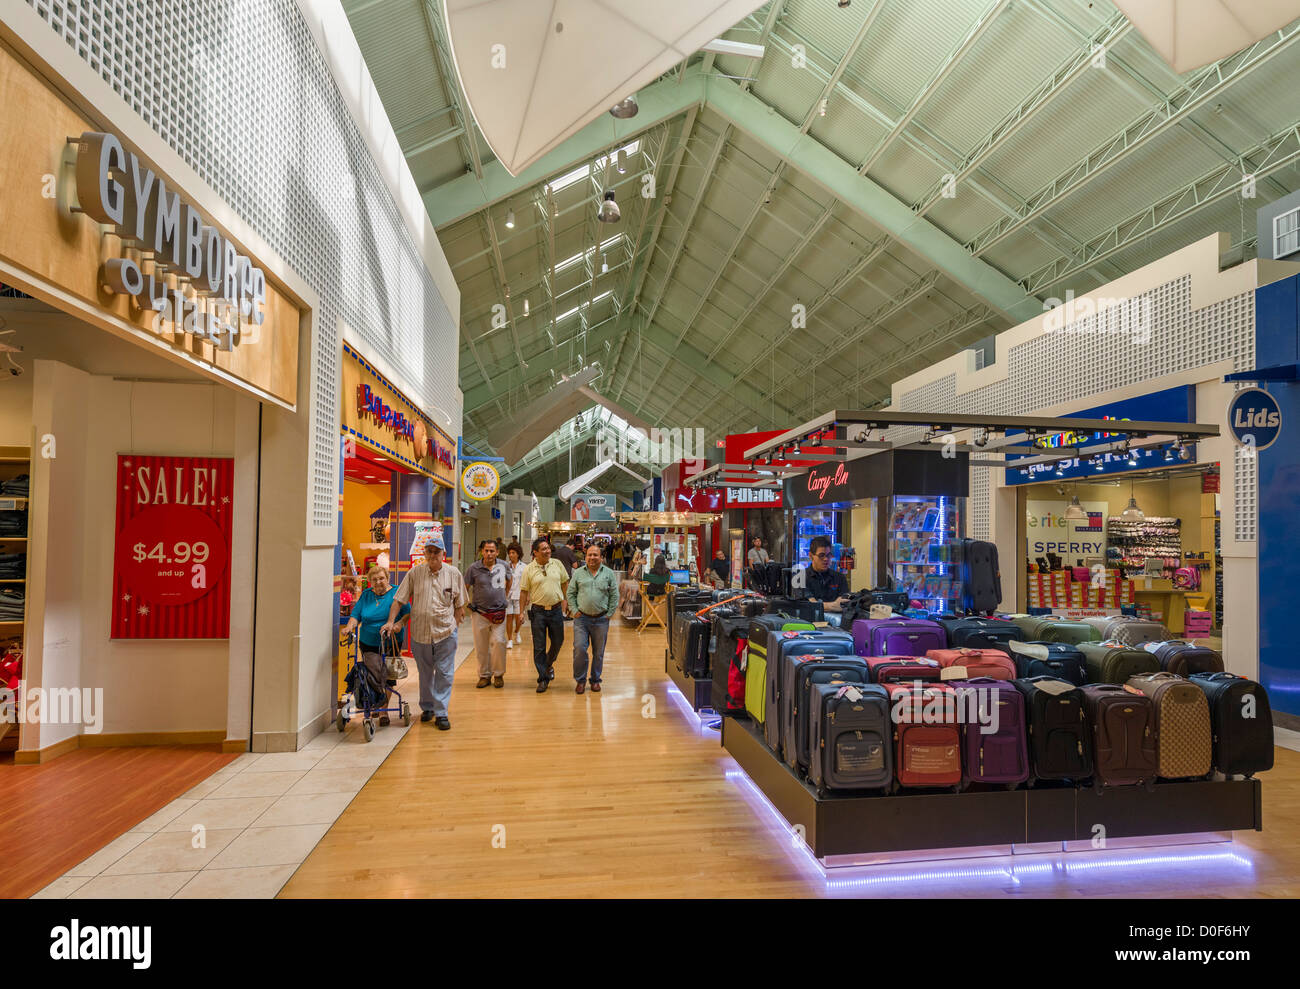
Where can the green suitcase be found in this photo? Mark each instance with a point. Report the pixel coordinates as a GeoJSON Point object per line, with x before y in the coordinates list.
{"type": "Point", "coordinates": [1031, 626]}
{"type": "Point", "coordinates": [756, 670]}
{"type": "Point", "coordinates": [1110, 662]}
{"type": "Point", "coordinates": [1074, 633]}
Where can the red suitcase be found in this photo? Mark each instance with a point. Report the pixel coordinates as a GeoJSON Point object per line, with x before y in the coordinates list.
{"type": "Point", "coordinates": [927, 738]}
{"type": "Point", "coordinates": [992, 663]}
{"type": "Point", "coordinates": [902, 669]}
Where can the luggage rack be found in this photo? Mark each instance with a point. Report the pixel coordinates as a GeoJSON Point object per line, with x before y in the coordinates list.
{"type": "Point", "coordinates": [852, 830]}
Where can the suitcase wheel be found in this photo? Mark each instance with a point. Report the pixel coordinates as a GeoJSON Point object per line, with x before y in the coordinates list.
{"type": "Point", "coordinates": [1013, 786]}
{"type": "Point", "coordinates": [958, 787]}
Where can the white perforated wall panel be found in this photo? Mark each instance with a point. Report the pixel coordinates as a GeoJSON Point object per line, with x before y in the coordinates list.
{"type": "Point", "coordinates": [1151, 335]}
{"type": "Point", "coordinates": [240, 91]}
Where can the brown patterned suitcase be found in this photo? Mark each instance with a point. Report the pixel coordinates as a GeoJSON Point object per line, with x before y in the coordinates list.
{"type": "Point", "coordinates": [1184, 745]}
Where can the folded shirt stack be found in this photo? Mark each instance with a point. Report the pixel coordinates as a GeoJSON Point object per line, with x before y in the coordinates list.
{"type": "Point", "coordinates": [13, 524]}
{"type": "Point", "coordinates": [13, 566]}
{"type": "Point", "coordinates": [15, 487]}
{"type": "Point", "coordinates": [12, 605]}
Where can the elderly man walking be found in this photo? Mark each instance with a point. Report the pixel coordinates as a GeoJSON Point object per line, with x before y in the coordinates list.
{"type": "Point", "coordinates": [436, 592]}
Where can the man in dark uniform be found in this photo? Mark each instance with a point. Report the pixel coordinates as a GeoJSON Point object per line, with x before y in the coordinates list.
{"type": "Point", "coordinates": [821, 583]}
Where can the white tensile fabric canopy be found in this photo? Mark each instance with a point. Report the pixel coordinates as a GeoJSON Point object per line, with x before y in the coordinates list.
{"type": "Point", "coordinates": [535, 72]}
{"type": "Point", "coordinates": [1192, 33]}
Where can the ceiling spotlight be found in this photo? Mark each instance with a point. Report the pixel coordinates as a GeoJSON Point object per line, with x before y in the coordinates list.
{"type": "Point", "coordinates": [796, 449]}
{"type": "Point", "coordinates": [624, 109]}
{"type": "Point", "coordinates": [510, 219]}
{"type": "Point", "coordinates": [622, 161]}
{"type": "Point", "coordinates": [1060, 470]}
{"type": "Point", "coordinates": [525, 307]}
{"type": "Point", "coordinates": [1169, 454]}
{"type": "Point", "coordinates": [1183, 452]}
{"type": "Point", "coordinates": [1099, 464]}
{"type": "Point", "coordinates": [604, 265]}
{"type": "Point", "coordinates": [609, 212]}
{"type": "Point", "coordinates": [842, 3]}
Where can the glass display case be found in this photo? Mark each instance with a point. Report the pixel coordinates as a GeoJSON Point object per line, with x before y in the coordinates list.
{"type": "Point", "coordinates": [818, 522]}
{"type": "Point", "coordinates": [922, 549]}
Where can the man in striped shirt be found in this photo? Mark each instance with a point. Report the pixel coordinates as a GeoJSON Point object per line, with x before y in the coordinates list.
{"type": "Point", "coordinates": [436, 592]}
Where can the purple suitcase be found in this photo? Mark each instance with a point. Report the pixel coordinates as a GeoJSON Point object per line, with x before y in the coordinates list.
{"type": "Point", "coordinates": [897, 636]}
{"type": "Point", "coordinates": [1000, 757]}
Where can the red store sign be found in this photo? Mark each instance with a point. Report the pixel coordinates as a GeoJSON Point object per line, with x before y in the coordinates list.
{"type": "Point", "coordinates": [171, 560]}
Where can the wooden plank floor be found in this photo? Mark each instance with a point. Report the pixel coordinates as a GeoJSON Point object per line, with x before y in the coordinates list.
{"type": "Point", "coordinates": [55, 815]}
{"type": "Point", "coordinates": [593, 799]}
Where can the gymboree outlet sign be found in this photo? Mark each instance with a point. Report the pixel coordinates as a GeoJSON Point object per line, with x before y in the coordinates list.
{"type": "Point", "coordinates": [226, 291]}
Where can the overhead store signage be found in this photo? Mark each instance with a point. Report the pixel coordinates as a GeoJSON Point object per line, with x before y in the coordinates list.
{"type": "Point", "coordinates": [171, 558]}
{"type": "Point", "coordinates": [380, 417]}
{"type": "Point", "coordinates": [753, 497]}
{"type": "Point", "coordinates": [228, 291]}
{"type": "Point", "coordinates": [480, 481]}
{"type": "Point", "coordinates": [593, 508]}
{"type": "Point", "coordinates": [1170, 405]}
{"type": "Point", "coordinates": [891, 472]}
{"type": "Point", "coordinates": [688, 499]}
{"type": "Point", "coordinates": [1255, 418]}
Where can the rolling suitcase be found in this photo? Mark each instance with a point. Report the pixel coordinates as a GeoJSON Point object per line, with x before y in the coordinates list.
{"type": "Point", "coordinates": [991, 663]}
{"type": "Point", "coordinates": [690, 645]}
{"type": "Point", "coordinates": [850, 747]}
{"type": "Point", "coordinates": [761, 628]}
{"type": "Point", "coordinates": [1184, 658]}
{"type": "Point", "coordinates": [981, 580]}
{"type": "Point", "coordinates": [1051, 659]}
{"type": "Point", "coordinates": [802, 673]}
{"type": "Point", "coordinates": [1060, 743]}
{"type": "Point", "coordinates": [927, 752]}
{"type": "Point", "coordinates": [1000, 756]}
{"type": "Point", "coordinates": [1136, 632]}
{"type": "Point", "coordinates": [1074, 633]}
{"type": "Point", "coordinates": [1182, 725]}
{"type": "Point", "coordinates": [1123, 737]}
{"type": "Point", "coordinates": [810, 611]}
{"type": "Point", "coordinates": [897, 637]}
{"type": "Point", "coordinates": [902, 669]}
{"type": "Point", "coordinates": [1241, 721]}
{"type": "Point", "coordinates": [727, 660]}
{"type": "Point", "coordinates": [979, 633]}
{"type": "Point", "coordinates": [780, 647]}
{"type": "Point", "coordinates": [1031, 626]}
{"type": "Point", "coordinates": [684, 600]}
{"type": "Point", "coordinates": [1107, 662]}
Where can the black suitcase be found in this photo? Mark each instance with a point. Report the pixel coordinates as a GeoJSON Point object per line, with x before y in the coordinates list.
{"type": "Point", "coordinates": [690, 645]}
{"type": "Point", "coordinates": [850, 746]}
{"type": "Point", "coordinates": [727, 647]}
{"type": "Point", "coordinates": [1060, 742]}
{"type": "Point", "coordinates": [779, 649]}
{"type": "Point", "coordinates": [685, 599]}
{"type": "Point", "coordinates": [811, 611]}
{"type": "Point", "coordinates": [1185, 658]}
{"type": "Point", "coordinates": [801, 673]}
{"type": "Point", "coordinates": [979, 633]}
{"type": "Point", "coordinates": [1051, 659]}
{"type": "Point", "coordinates": [981, 580]}
{"type": "Point", "coordinates": [1242, 745]}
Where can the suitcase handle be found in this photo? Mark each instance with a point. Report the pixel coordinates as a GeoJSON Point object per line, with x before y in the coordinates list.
{"type": "Point", "coordinates": [717, 604]}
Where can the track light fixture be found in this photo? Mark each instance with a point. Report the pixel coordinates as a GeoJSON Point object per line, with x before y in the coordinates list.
{"type": "Point", "coordinates": [510, 219]}
{"type": "Point", "coordinates": [1075, 512]}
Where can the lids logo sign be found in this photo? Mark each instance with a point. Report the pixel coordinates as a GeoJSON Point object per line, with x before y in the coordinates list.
{"type": "Point", "coordinates": [1255, 418]}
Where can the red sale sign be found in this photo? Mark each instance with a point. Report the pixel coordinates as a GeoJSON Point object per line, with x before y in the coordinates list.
{"type": "Point", "coordinates": [171, 564]}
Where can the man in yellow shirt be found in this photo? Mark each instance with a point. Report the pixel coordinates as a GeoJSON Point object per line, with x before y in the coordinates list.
{"type": "Point", "coordinates": [542, 599]}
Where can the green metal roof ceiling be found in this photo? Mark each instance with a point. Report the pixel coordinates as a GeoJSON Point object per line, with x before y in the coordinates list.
{"type": "Point", "coordinates": [763, 202]}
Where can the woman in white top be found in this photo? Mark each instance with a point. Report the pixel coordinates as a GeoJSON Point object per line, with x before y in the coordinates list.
{"type": "Point", "coordinates": [514, 622]}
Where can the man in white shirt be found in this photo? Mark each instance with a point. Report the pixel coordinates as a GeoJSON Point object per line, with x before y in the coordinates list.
{"type": "Point", "coordinates": [757, 554]}
{"type": "Point", "coordinates": [436, 592]}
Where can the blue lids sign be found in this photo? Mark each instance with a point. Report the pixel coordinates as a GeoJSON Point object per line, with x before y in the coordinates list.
{"type": "Point", "coordinates": [1254, 418]}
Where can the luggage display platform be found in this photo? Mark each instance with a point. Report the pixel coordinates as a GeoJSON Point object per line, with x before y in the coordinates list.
{"type": "Point", "coordinates": [698, 693]}
{"type": "Point", "coordinates": [851, 825]}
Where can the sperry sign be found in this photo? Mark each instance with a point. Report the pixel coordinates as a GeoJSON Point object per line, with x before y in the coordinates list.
{"type": "Point", "coordinates": [187, 272]}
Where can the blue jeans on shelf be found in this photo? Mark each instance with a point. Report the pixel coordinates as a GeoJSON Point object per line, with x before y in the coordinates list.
{"type": "Point", "coordinates": [544, 623]}
{"type": "Point", "coordinates": [593, 629]}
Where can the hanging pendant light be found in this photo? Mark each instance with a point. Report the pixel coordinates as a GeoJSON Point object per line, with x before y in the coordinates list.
{"type": "Point", "coordinates": [609, 211]}
{"type": "Point", "coordinates": [624, 108]}
{"type": "Point", "coordinates": [1132, 513]}
{"type": "Point", "coordinates": [525, 307]}
{"type": "Point", "coordinates": [1075, 512]}
{"type": "Point", "coordinates": [510, 219]}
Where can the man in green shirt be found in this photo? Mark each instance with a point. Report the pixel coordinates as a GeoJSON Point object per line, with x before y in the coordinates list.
{"type": "Point", "coordinates": [593, 599]}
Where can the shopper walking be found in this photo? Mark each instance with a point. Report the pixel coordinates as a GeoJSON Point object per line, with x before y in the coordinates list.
{"type": "Point", "coordinates": [488, 583]}
{"type": "Point", "coordinates": [369, 618]}
{"type": "Point", "coordinates": [564, 553]}
{"type": "Point", "coordinates": [435, 590]}
{"type": "Point", "coordinates": [542, 599]}
{"type": "Point", "coordinates": [593, 600]}
{"type": "Point", "coordinates": [514, 621]}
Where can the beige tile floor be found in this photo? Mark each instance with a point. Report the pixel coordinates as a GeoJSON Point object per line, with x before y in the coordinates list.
{"type": "Point", "coordinates": [243, 831]}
